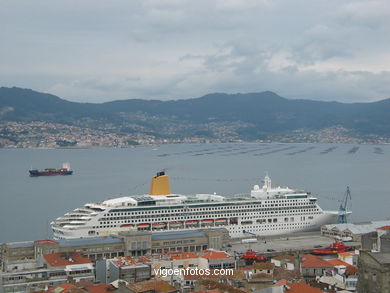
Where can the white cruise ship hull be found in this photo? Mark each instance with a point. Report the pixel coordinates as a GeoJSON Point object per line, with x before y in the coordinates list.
{"type": "Point", "coordinates": [267, 211]}
{"type": "Point", "coordinates": [235, 231]}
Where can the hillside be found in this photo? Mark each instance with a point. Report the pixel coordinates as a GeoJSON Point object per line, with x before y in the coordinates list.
{"type": "Point", "coordinates": [247, 116]}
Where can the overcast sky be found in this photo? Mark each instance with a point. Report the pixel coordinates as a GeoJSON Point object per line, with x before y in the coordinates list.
{"type": "Point", "coordinates": [91, 50]}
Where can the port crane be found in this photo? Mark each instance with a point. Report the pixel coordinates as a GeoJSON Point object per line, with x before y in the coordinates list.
{"type": "Point", "coordinates": [343, 207]}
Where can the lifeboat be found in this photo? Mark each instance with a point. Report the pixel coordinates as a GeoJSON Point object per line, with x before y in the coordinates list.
{"type": "Point", "coordinates": [175, 224]}
{"type": "Point", "coordinates": [207, 222]}
{"type": "Point", "coordinates": [191, 222]}
{"type": "Point", "coordinates": [145, 225]}
{"type": "Point", "coordinates": [221, 221]}
{"type": "Point", "coordinates": [158, 225]}
{"type": "Point", "coordinates": [126, 225]}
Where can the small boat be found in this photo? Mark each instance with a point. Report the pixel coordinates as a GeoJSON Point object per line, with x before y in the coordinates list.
{"type": "Point", "coordinates": [191, 222]}
{"type": "Point", "coordinates": [175, 224]}
{"type": "Point", "coordinates": [65, 170]}
{"type": "Point", "coordinates": [221, 221]}
{"type": "Point", "coordinates": [251, 256]}
{"type": "Point", "coordinates": [335, 248]}
{"type": "Point", "coordinates": [159, 225]}
{"type": "Point", "coordinates": [126, 225]}
{"type": "Point", "coordinates": [144, 225]}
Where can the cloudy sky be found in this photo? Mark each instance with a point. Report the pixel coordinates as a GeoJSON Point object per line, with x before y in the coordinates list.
{"type": "Point", "coordinates": [96, 51]}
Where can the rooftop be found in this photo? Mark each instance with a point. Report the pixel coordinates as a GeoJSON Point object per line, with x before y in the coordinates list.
{"type": "Point", "coordinates": [215, 254]}
{"type": "Point", "coordinates": [22, 244]}
{"type": "Point", "coordinates": [144, 258]}
{"type": "Point", "coordinates": [381, 257]}
{"type": "Point", "coordinates": [46, 241]}
{"type": "Point", "coordinates": [263, 265]}
{"type": "Point", "coordinates": [158, 286]}
{"type": "Point", "coordinates": [331, 280]}
{"type": "Point", "coordinates": [358, 228]}
{"type": "Point", "coordinates": [99, 288]}
{"type": "Point", "coordinates": [125, 261]}
{"type": "Point", "coordinates": [337, 262]}
{"type": "Point", "coordinates": [207, 291]}
{"type": "Point", "coordinates": [301, 288]}
{"type": "Point", "coordinates": [59, 260]}
{"type": "Point", "coordinates": [286, 257]}
{"type": "Point", "coordinates": [312, 261]}
{"type": "Point", "coordinates": [351, 270]}
{"type": "Point", "coordinates": [181, 255]}
{"type": "Point", "coordinates": [281, 283]}
{"type": "Point", "coordinates": [65, 288]}
{"type": "Point", "coordinates": [88, 241]}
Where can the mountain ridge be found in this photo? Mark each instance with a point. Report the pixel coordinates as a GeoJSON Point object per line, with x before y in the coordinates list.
{"type": "Point", "coordinates": [251, 115]}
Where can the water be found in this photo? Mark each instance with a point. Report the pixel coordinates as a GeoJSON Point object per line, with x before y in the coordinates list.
{"type": "Point", "coordinates": [29, 204]}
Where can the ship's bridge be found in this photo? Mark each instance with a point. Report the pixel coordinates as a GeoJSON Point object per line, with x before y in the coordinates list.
{"type": "Point", "coordinates": [120, 201]}
{"type": "Point", "coordinates": [268, 191]}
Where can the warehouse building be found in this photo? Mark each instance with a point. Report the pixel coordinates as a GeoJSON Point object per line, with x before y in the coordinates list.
{"type": "Point", "coordinates": [352, 231]}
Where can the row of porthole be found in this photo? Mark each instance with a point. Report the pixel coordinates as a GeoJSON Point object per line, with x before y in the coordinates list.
{"type": "Point", "coordinates": [193, 210]}
{"type": "Point", "coordinates": [316, 211]}
{"type": "Point", "coordinates": [184, 218]}
{"type": "Point", "coordinates": [199, 217]}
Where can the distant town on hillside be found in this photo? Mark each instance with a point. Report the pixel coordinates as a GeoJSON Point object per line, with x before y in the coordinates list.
{"type": "Point", "coordinates": [33, 119]}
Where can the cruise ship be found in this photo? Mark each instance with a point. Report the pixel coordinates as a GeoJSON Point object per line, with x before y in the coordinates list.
{"type": "Point", "coordinates": [267, 210]}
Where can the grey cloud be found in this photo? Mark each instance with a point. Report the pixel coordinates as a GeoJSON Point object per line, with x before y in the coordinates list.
{"type": "Point", "coordinates": [102, 50]}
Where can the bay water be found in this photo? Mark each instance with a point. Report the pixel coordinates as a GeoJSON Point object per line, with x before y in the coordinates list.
{"type": "Point", "coordinates": [28, 205]}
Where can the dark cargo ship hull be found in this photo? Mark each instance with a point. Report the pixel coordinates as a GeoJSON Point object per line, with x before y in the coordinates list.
{"type": "Point", "coordinates": [36, 173]}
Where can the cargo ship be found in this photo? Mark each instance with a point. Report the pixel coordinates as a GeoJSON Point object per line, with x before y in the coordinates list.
{"type": "Point", "coordinates": [65, 170]}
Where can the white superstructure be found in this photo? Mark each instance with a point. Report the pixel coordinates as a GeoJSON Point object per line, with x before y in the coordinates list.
{"type": "Point", "coordinates": [266, 211]}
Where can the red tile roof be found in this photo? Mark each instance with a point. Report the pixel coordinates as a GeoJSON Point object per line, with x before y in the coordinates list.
{"type": "Point", "coordinates": [263, 265]}
{"type": "Point", "coordinates": [281, 283]}
{"type": "Point", "coordinates": [351, 270]}
{"type": "Point", "coordinates": [206, 291]}
{"type": "Point", "coordinates": [59, 260]}
{"type": "Point", "coordinates": [384, 228]}
{"type": "Point", "coordinates": [157, 285]}
{"type": "Point", "coordinates": [285, 257]}
{"type": "Point", "coordinates": [301, 288]}
{"type": "Point", "coordinates": [124, 261]}
{"type": "Point", "coordinates": [183, 255]}
{"type": "Point", "coordinates": [214, 254]}
{"type": "Point", "coordinates": [46, 241]}
{"type": "Point", "coordinates": [338, 262]}
{"type": "Point", "coordinates": [100, 288]}
{"type": "Point", "coordinates": [312, 261]}
{"type": "Point", "coordinates": [144, 258]}
{"type": "Point", "coordinates": [65, 288]}
{"type": "Point", "coordinates": [83, 284]}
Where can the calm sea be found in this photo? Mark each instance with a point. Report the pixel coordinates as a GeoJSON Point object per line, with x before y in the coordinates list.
{"type": "Point", "coordinates": [28, 205]}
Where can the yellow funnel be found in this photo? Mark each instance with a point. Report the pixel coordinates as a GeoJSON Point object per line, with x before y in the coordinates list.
{"type": "Point", "coordinates": [160, 184]}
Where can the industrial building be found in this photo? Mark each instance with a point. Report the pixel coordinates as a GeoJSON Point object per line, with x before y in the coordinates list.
{"type": "Point", "coordinates": [352, 231]}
